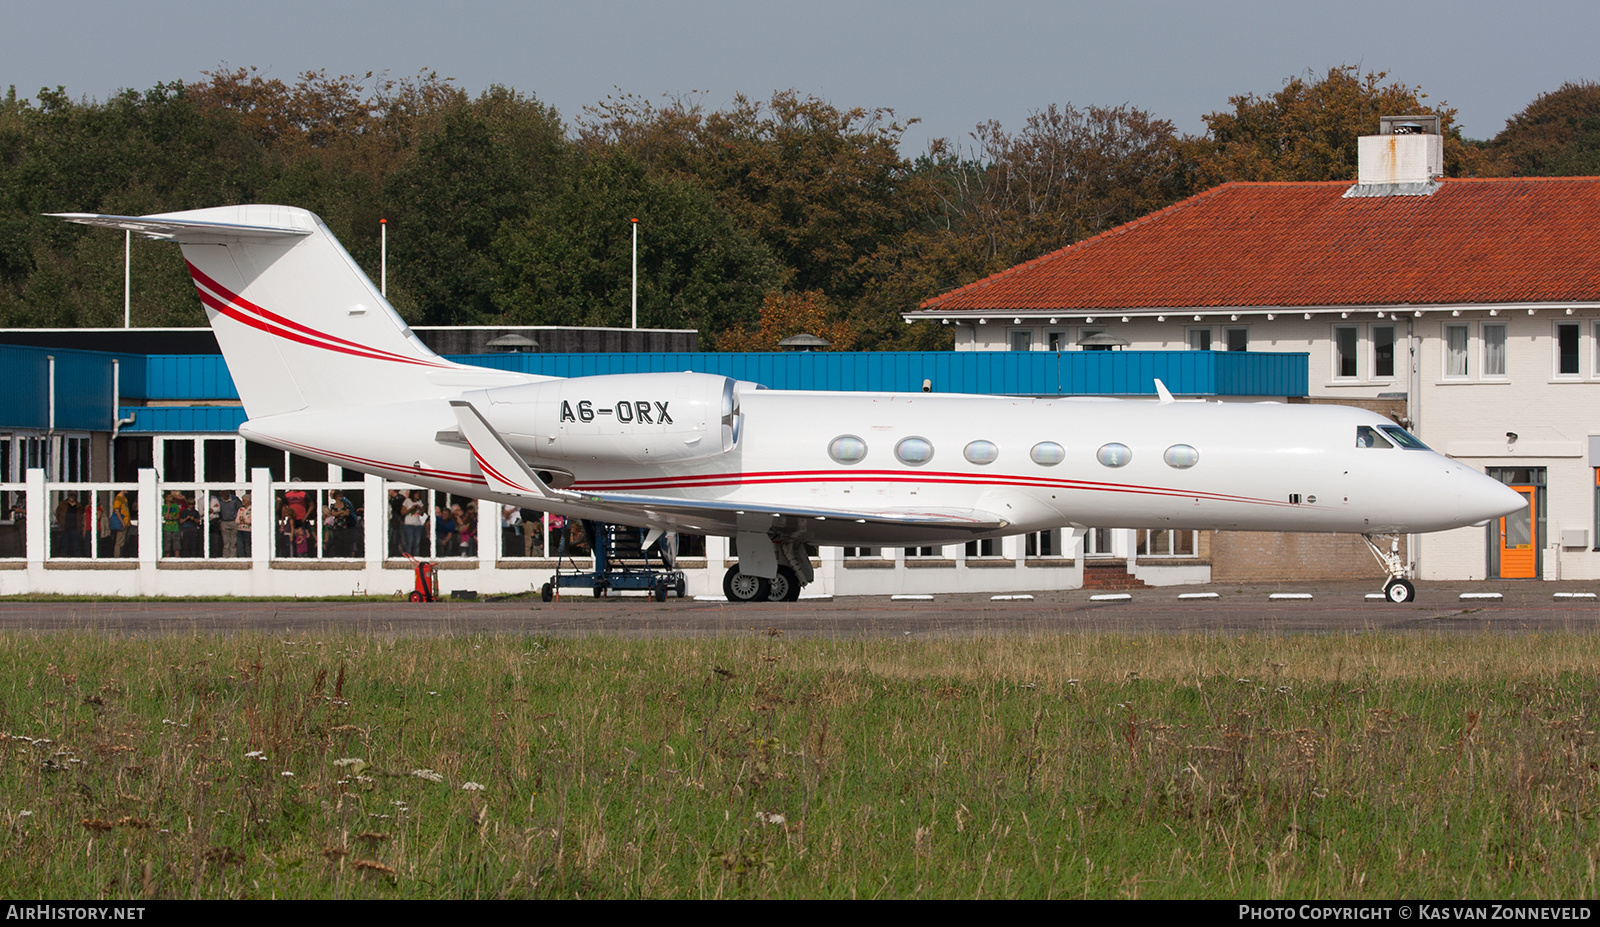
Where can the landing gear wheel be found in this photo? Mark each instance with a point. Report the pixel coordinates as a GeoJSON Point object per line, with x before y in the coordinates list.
{"type": "Point", "coordinates": [659, 592]}
{"type": "Point", "coordinates": [682, 587]}
{"type": "Point", "coordinates": [785, 586]}
{"type": "Point", "coordinates": [547, 592]}
{"type": "Point", "coordinates": [416, 597]}
{"type": "Point", "coordinates": [1399, 591]}
{"type": "Point", "coordinates": [742, 587]}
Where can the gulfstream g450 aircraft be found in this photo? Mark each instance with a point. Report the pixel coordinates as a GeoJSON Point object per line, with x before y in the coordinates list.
{"type": "Point", "coordinates": [327, 369]}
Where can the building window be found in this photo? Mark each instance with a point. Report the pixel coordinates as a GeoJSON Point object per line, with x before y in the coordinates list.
{"type": "Point", "coordinates": [1455, 351]}
{"type": "Point", "coordinates": [1022, 340]}
{"type": "Point", "coordinates": [1383, 352]}
{"type": "Point", "coordinates": [1494, 349]}
{"type": "Point", "coordinates": [1056, 340]}
{"type": "Point", "coordinates": [1238, 338]}
{"type": "Point", "coordinates": [1157, 543]}
{"type": "Point", "coordinates": [1199, 339]}
{"type": "Point", "coordinates": [924, 552]}
{"type": "Point", "coordinates": [1098, 542]}
{"type": "Point", "coordinates": [1345, 359]}
{"type": "Point", "coordinates": [1567, 349]}
{"type": "Point", "coordinates": [1044, 544]}
{"type": "Point", "coordinates": [988, 547]}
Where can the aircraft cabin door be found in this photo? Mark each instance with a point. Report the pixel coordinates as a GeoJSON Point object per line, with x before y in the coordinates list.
{"type": "Point", "coordinates": [1518, 554]}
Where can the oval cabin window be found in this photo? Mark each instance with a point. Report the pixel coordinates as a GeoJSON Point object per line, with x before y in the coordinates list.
{"type": "Point", "coordinates": [847, 449]}
{"type": "Point", "coordinates": [1048, 453]}
{"type": "Point", "coordinates": [1114, 455]}
{"type": "Point", "coordinates": [914, 451]}
{"type": "Point", "coordinates": [1181, 456]}
{"type": "Point", "coordinates": [982, 452]}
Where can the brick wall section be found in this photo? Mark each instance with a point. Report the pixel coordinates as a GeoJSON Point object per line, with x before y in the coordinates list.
{"type": "Point", "coordinates": [1263, 556]}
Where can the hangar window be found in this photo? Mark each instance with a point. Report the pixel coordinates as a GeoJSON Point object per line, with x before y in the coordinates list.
{"type": "Point", "coordinates": [914, 451]}
{"type": "Point", "coordinates": [982, 452]}
{"type": "Point", "coordinates": [1114, 455]}
{"type": "Point", "coordinates": [1181, 456]}
{"type": "Point", "coordinates": [1048, 453]}
{"type": "Point", "coordinates": [847, 449]}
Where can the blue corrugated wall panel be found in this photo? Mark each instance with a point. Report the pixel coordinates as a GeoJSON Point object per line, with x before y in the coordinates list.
{"type": "Point", "coordinates": [83, 387]}
{"type": "Point", "coordinates": [201, 378]}
{"type": "Point", "coordinates": [83, 391]}
{"type": "Point", "coordinates": [27, 374]}
{"type": "Point", "coordinates": [187, 377]}
{"type": "Point", "coordinates": [1021, 373]}
{"type": "Point", "coordinates": [183, 419]}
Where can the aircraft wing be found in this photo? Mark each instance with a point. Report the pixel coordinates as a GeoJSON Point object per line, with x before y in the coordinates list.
{"type": "Point", "coordinates": [508, 475]}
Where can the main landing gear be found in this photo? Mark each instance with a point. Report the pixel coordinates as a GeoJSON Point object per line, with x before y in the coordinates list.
{"type": "Point", "coordinates": [1397, 588]}
{"type": "Point", "coordinates": [742, 587]}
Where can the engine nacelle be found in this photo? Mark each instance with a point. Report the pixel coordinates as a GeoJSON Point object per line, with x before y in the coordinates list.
{"type": "Point", "coordinates": [617, 418]}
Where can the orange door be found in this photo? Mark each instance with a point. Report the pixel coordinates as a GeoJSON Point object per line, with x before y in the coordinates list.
{"type": "Point", "coordinates": [1517, 550]}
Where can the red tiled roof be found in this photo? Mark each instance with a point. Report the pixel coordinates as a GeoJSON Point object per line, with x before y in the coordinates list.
{"type": "Point", "coordinates": [1305, 244]}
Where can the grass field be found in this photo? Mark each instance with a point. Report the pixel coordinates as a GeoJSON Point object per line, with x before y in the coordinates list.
{"type": "Point", "coordinates": [1052, 765]}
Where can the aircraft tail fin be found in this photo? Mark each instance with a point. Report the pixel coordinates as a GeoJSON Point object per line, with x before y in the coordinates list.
{"type": "Point", "coordinates": [299, 323]}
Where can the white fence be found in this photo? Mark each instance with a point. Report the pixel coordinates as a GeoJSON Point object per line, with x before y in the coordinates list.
{"type": "Point", "coordinates": [352, 538]}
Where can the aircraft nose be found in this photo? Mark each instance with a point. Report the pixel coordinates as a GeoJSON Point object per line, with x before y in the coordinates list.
{"type": "Point", "coordinates": [1486, 498]}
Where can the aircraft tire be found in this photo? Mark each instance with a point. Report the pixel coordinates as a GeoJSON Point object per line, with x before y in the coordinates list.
{"type": "Point", "coordinates": [659, 591]}
{"type": "Point", "coordinates": [682, 587]}
{"type": "Point", "coordinates": [1400, 591]}
{"type": "Point", "coordinates": [547, 592]}
{"type": "Point", "coordinates": [741, 587]}
{"type": "Point", "coordinates": [785, 586]}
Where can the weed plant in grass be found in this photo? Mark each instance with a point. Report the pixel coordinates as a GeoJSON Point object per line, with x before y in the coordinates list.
{"type": "Point", "coordinates": [1049, 765]}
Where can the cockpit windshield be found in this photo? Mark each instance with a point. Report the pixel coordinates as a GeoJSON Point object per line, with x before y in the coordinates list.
{"type": "Point", "coordinates": [1405, 438]}
{"type": "Point", "coordinates": [1367, 436]}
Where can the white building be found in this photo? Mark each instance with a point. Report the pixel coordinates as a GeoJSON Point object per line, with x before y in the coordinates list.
{"type": "Point", "coordinates": [1468, 309]}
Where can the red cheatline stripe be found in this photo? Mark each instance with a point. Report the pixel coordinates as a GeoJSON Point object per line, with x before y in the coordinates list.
{"type": "Point", "coordinates": [897, 476]}
{"type": "Point", "coordinates": [240, 309]}
{"type": "Point", "coordinates": [370, 463]}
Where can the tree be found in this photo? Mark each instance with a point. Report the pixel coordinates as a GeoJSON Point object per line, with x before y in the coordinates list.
{"type": "Point", "coordinates": [1558, 134]}
{"type": "Point", "coordinates": [784, 315]}
{"type": "Point", "coordinates": [482, 165]}
{"type": "Point", "coordinates": [1307, 130]}
{"type": "Point", "coordinates": [568, 261]}
{"type": "Point", "coordinates": [1068, 174]}
{"type": "Point", "coordinates": [816, 183]}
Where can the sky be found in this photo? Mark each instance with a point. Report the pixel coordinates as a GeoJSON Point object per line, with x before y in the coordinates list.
{"type": "Point", "coordinates": [947, 65]}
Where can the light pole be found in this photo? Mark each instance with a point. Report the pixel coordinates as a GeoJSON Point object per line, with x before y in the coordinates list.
{"type": "Point", "coordinates": [383, 272]}
{"type": "Point", "coordinates": [635, 272]}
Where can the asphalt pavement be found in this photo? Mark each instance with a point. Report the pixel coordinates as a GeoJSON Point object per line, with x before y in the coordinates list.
{"type": "Point", "coordinates": [1504, 606]}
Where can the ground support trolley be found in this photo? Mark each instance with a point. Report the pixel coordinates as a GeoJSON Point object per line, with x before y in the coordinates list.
{"type": "Point", "coordinates": [622, 561]}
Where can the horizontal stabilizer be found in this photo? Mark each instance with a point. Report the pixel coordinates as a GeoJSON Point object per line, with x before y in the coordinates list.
{"type": "Point", "coordinates": [184, 231]}
{"type": "Point", "coordinates": [503, 470]}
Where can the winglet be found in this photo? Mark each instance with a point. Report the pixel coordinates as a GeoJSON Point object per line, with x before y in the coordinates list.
{"type": "Point", "coordinates": [504, 471]}
{"type": "Point", "coordinates": [1162, 392]}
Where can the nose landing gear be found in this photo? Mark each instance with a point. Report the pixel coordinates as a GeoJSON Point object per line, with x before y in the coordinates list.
{"type": "Point", "coordinates": [1397, 588]}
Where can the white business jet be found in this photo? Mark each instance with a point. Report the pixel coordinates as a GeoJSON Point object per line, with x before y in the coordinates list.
{"type": "Point", "coordinates": [326, 368]}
